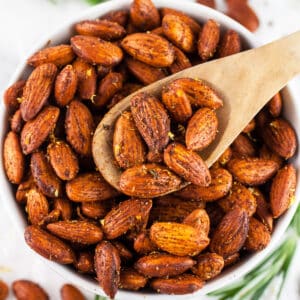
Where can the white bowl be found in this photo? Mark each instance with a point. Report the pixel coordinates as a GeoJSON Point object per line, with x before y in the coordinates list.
{"type": "Point", "coordinates": [291, 111]}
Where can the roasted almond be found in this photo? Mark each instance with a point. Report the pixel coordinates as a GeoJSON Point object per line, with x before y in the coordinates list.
{"type": "Point", "coordinates": [178, 239]}
{"type": "Point", "coordinates": [131, 280]}
{"type": "Point", "coordinates": [231, 233]}
{"type": "Point", "coordinates": [63, 160]}
{"type": "Point", "coordinates": [252, 171]}
{"type": "Point", "coordinates": [202, 129]}
{"type": "Point", "coordinates": [28, 290]}
{"type": "Point", "coordinates": [230, 44]}
{"type": "Point", "coordinates": [16, 122]}
{"type": "Point", "coordinates": [243, 146]}
{"type": "Point", "coordinates": [149, 48]}
{"type": "Point", "coordinates": [70, 292]}
{"type": "Point", "coordinates": [275, 105]}
{"type": "Point", "coordinates": [64, 206]}
{"type": "Point", "coordinates": [181, 61]}
{"type": "Point", "coordinates": [89, 187]}
{"type": "Point", "coordinates": [187, 164]}
{"type": "Point", "coordinates": [129, 214]}
{"type": "Point", "coordinates": [85, 262]}
{"type": "Point", "coordinates": [96, 209]}
{"type": "Point", "coordinates": [225, 157]}
{"type": "Point", "coordinates": [209, 3]}
{"type": "Point", "coordinates": [13, 159]}
{"type": "Point", "coordinates": [48, 245]}
{"type": "Point", "coordinates": [282, 193]}
{"type": "Point", "coordinates": [125, 254]}
{"type": "Point", "coordinates": [37, 90]}
{"type": "Point", "coordinates": [142, 243]}
{"type": "Point", "coordinates": [231, 260]}
{"type": "Point", "coordinates": [267, 153]}
{"type": "Point", "coordinates": [79, 126]}
{"type": "Point", "coordinates": [144, 15]}
{"type": "Point", "coordinates": [59, 55]}
{"type": "Point", "coordinates": [43, 175]}
{"type": "Point", "coordinates": [198, 219]}
{"type": "Point", "coordinates": [23, 188]}
{"type": "Point", "coordinates": [118, 16]}
{"type": "Point", "coordinates": [148, 180]}
{"type": "Point", "coordinates": [161, 265]}
{"type": "Point", "coordinates": [250, 126]}
{"type": "Point", "coordinates": [12, 96]}
{"type": "Point", "coordinates": [96, 51]}
{"type": "Point", "coordinates": [3, 290]}
{"type": "Point", "coordinates": [36, 131]}
{"type": "Point", "coordinates": [82, 232]}
{"type": "Point", "coordinates": [107, 266]}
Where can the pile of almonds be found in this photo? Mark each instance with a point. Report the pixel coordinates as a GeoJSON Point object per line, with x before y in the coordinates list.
{"type": "Point", "coordinates": [172, 243]}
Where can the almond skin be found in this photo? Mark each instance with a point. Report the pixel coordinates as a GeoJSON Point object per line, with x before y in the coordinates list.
{"type": "Point", "coordinates": [180, 63]}
{"type": "Point", "coordinates": [198, 219]}
{"type": "Point", "coordinates": [11, 95]}
{"type": "Point", "coordinates": [208, 39]}
{"type": "Point", "coordinates": [144, 15]}
{"type": "Point", "coordinates": [208, 266]}
{"type": "Point", "coordinates": [230, 44]}
{"type": "Point", "coordinates": [142, 243]}
{"type": "Point", "coordinates": [187, 164]}
{"type": "Point", "coordinates": [258, 236]}
{"type": "Point", "coordinates": [231, 233]}
{"type": "Point", "coordinates": [43, 175]}
{"type": "Point", "coordinates": [131, 280]}
{"type": "Point", "coordinates": [79, 126]}
{"type": "Point", "coordinates": [64, 206]}
{"type": "Point", "coordinates": [118, 16]}
{"type": "Point", "coordinates": [275, 105]}
{"type": "Point", "coordinates": [65, 85]}
{"type": "Point", "coordinates": [178, 239]}
{"type": "Point", "coordinates": [252, 171]}
{"type": "Point", "coordinates": [48, 245]}
{"type": "Point", "coordinates": [36, 131]}
{"type": "Point", "coordinates": [103, 29]}
{"type": "Point", "coordinates": [107, 266]}
{"type": "Point", "coordinates": [179, 285]}
{"type": "Point", "coordinates": [129, 214]}
{"type": "Point", "coordinates": [96, 51]}
{"type": "Point", "coordinates": [70, 292]}
{"type": "Point", "coordinates": [149, 48]}
{"type": "Point", "coordinates": [3, 290]}
{"type": "Point", "coordinates": [161, 265]}
{"type": "Point", "coordinates": [202, 129]}
{"type": "Point", "coordinates": [89, 187]}
{"type": "Point", "coordinates": [59, 55]}
{"type": "Point", "coordinates": [221, 182]}
{"type": "Point", "coordinates": [37, 90]}
{"type": "Point", "coordinates": [282, 191]}
{"type": "Point", "coordinates": [16, 122]}
{"type": "Point", "coordinates": [148, 180]}
{"type": "Point", "coordinates": [13, 159]}
{"type": "Point", "coordinates": [83, 232]}
{"type": "Point", "coordinates": [179, 33]}
{"type": "Point", "coordinates": [63, 160]}
{"type": "Point", "coordinates": [28, 290]}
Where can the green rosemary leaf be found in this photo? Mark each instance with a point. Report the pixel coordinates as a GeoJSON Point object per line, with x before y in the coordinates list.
{"type": "Point", "coordinates": [98, 297]}
{"type": "Point", "coordinates": [94, 2]}
{"type": "Point", "coordinates": [295, 224]}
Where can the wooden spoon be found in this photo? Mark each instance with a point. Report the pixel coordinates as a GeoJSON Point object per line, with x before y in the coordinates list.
{"type": "Point", "coordinates": [246, 81]}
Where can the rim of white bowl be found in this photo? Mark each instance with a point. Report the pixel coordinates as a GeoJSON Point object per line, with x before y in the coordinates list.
{"type": "Point", "coordinates": [61, 34]}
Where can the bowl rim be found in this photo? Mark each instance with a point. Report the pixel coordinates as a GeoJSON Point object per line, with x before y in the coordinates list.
{"type": "Point", "coordinates": [197, 11]}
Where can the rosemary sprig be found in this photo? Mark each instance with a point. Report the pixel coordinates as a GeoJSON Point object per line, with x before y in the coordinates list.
{"type": "Point", "coordinates": [94, 2]}
{"type": "Point", "coordinates": [98, 297]}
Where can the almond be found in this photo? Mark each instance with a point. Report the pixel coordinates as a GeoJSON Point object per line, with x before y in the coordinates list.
{"type": "Point", "coordinates": [250, 127]}
{"type": "Point", "coordinates": [60, 55]}
{"type": "Point", "coordinates": [178, 239]}
{"type": "Point", "coordinates": [179, 285]}
{"type": "Point", "coordinates": [96, 209]}
{"type": "Point", "coordinates": [23, 188]}
{"type": "Point", "coordinates": [208, 266]}
{"type": "Point", "coordinates": [252, 171]}
{"type": "Point", "coordinates": [179, 33]}
{"type": "Point", "coordinates": [96, 51]}
{"type": "Point", "coordinates": [36, 131]}
{"type": "Point", "coordinates": [124, 252]}
{"type": "Point", "coordinates": [149, 48]}
{"type": "Point", "coordinates": [107, 266]}
{"type": "Point", "coordinates": [187, 164]}
{"type": "Point", "coordinates": [243, 146]}
{"type": "Point", "coordinates": [142, 243]}
{"type": "Point", "coordinates": [37, 90]}
{"type": "Point", "coordinates": [208, 39]}
{"type": "Point", "coordinates": [131, 280]}
{"type": "Point", "coordinates": [144, 15]}
{"type": "Point", "coordinates": [3, 290]}
{"type": "Point", "coordinates": [37, 206]}
{"type": "Point", "coordinates": [63, 160]}
{"type": "Point", "coordinates": [103, 29]}
{"type": "Point", "coordinates": [13, 159]}
{"type": "Point", "coordinates": [43, 175]}
{"type": "Point", "coordinates": [70, 292]}
{"type": "Point", "coordinates": [159, 31]}
{"type": "Point", "coordinates": [16, 122]}
{"type": "Point", "coordinates": [85, 263]}
{"type": "Point", "coordinates": [48, 245]}
{"type": "Point", "coordinates": [198, 219]}
{"type": "Point", "coordinates": [148, 180]}
{"type": "Point", "coordinates": [181, 61]}
{"type": "Point", "coordinates": [275, 105]}
{"type": "Point", "coordinates": [161, 265]}
{"type": "Point", "coordinates": [52, 217]}
{"type": "Point", "coordinates": [230, 44]}
{"type": "Point", "coordinates": [209, 3]}
{"type": "Point", "coordinates": [231, 233]}
{"type": "Point", "coordinates": [117, 16]}
{"type": "Point", "coordinates": [258, 236]}
{"type": "Point", "coordinates": [239, 197]}
{"type": "Point", "coordinates": [129, 214]}
{"type": "Point", "coordinates": [280, 137]}
{"type": "Point", "coordinates": [202, 129]}
{"type": "Point", "coordinates": [282, 191]}
{"type": "Point", "coordinates": [65, 85]}
{"type": "Point", "coordinates": [231, 260]}
{"type": "Point", "coordinates": [28, 290]}
{"type": "Point", "coordinates": [221, 182]}
{"type": "Point", "coordinates": [89, 187]}
{"type": "Point", "coordinates": [79, 126]}
{"type": "Point", "coordinates": [12, 96]}
{"type": "Point", "coordinates": [266, 153]}
{"type": "Point", "coordinates": [83, 232]}
{"type": "Point", "coordinates": [64, 206]}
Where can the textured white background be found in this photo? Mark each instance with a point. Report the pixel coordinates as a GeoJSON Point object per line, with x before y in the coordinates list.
{"type": "Point", "coordinates": [22, 23]}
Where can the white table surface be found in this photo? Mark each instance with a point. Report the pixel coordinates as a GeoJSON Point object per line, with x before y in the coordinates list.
{"type": "Point", "coordinates": [22, 23]}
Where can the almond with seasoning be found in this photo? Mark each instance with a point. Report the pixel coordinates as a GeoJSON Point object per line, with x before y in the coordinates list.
{"type": "Point", "coordinates": [131, 280]}
{"type": "Point", "coordinates": [28, 290]}
{"type": "Point", "coordinates": [64, 206]}
{"type": "Point", "coordinates": [85, 262]}
{"type": "Point", "coordinates": [230, 44]}
{"type": "Point", "coordinates": [12, 96]}
{"type": "Point", "coordinates": [16, 122]}
{"type": "Point", "coordinates": [118, 16]}
{"type": "Point", "coordinates": [198, 219]}
{"type": "Point", "coordinates": [243, 146]}
{"type": "Point", "coordinates": [181, 61]}
{"type": "Point", "coordinates": [142, 243]}
{"type": "Point", "coordinates": [275, 105]}
{"type": "Point", "coordinates": [70, 292]}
